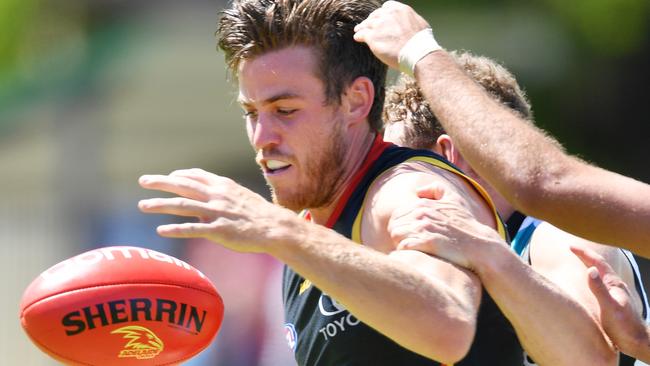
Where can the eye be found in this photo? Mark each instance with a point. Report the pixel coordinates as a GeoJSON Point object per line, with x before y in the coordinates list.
{"type": "Point", "coordinates": [250, 114]}
{"type": "Point", "coordinates": [286, 111]}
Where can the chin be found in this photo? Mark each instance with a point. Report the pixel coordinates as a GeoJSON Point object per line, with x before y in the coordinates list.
{"type": "Point", "coordinates": [294, 201]}
{"type": "Point", "coordinates": [286, 201]}
{"type": "Point", "coordinates": [293, 206]}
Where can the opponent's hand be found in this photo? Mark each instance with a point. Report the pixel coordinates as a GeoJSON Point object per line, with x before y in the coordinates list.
{"type": "Point", "coordinates": [618, 316]}
{"type": "Point", "coordinates": [387, 29]}
{"type": "Point", "coordinates": [227, 213]}
{"type": "Point", "coordinates": [440, 227]}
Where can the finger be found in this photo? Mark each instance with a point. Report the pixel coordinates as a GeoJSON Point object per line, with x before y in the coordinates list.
{"type": "Point", "coordinates": [428, 247]}
{"type": "Point", "coordinates": [592, 259]}
{"type": "Point", "coordinates": [196, 174]}
{"type": "Point", "coordinates": [433, 191]}
{"type": "Point", "coordinates": [599, 289]}
{"type": "Point", "coordinates": [186, 230]}
{"type": "Point", "coordinates": [418, 210]}
{"type": "Point", "coordinates": [366, 22]}
{"type": "Point", "coordinates": [429, 243]}
{"type": "Point", "coordinates": [400, 230]}
{"type": "Point", "coordinates": [178, 185]}
{"type": "Point", "coordinates": [360, 26]}
{"type": "Point", "coordinates": [413, 243]}
{"type": "Point", "coordinates": [360, 35]}
{"type": "Point", "coordinates": [406, 223]}
{"type": "Point", "coordinates": [179, 206]}
{"type": "Point", "coordinates": [392, 4]}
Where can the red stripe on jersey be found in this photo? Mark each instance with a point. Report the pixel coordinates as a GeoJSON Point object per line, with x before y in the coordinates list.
{"type": "Point", "coordinates": [378, 147]}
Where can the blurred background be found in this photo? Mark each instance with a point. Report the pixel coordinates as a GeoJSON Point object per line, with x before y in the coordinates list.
{"type": "Point", "coordinates": [95, 93]}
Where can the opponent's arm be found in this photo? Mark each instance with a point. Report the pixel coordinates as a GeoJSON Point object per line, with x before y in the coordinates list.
{"type": "Point", "coordinates": [618, 315]}
{"type": "Point", "coordinates": [400, 294]}
{"type": "Point", "coordinates": [547, 321]}
{"type": "Point", "coordinates": [524, 164]}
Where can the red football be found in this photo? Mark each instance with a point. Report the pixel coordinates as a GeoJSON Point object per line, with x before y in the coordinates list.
{"type": "Point", "coordinates": [121, 306]}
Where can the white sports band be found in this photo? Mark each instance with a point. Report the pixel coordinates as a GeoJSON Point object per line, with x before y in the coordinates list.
{"type": "Point", "coordinates": [421, 44]}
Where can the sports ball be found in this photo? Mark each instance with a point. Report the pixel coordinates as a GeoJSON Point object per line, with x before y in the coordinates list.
{"type": "Point", "coordinates": [121, 305]}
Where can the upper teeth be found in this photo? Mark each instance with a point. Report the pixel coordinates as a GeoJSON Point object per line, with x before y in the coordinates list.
{"type": "Point", "coordinates": [276, 164]}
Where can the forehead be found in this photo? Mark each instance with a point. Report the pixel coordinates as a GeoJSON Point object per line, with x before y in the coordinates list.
{"type": "Point", "coordinates": [288, 71]}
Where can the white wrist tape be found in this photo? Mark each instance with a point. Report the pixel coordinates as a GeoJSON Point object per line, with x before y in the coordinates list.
{"type": "Point", "coordinates": [421, 44]}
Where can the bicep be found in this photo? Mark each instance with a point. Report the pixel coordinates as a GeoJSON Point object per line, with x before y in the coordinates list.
{"type": "Point", "coordinates": [397, 189]}
{"type": "Point", "coordinates": [462, 284]}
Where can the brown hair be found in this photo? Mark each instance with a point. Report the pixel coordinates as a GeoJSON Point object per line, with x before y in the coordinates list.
{"type": "Point", "coordinates": [250, 28]}
{"type": "Point", "coordinates": [405, 103]}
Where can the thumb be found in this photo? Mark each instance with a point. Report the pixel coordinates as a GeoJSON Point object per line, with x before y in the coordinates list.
{"type": "Point", "coordinates": [432, 191]}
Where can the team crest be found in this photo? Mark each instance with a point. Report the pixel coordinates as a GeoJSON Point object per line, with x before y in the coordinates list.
{"type": "Point", "coordinates": [291, 335]}
{"type": "Point", "coordinates": [142, 342]}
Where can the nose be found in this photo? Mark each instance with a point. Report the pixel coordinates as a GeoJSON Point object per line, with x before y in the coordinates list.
{"type": "Point", "coordinates": [263, 133]}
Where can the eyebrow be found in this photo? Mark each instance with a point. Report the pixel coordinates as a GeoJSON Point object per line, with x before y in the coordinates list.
{"type": "Point", "coordinates": [272, 99]}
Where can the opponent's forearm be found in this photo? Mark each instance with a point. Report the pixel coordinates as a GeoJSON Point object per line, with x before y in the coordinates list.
{"type": "Point", "coordinates": [488, 134]}
{"type": "Point", "coordinates": [417, 311]}
{"type": "Point", "coordinates": [547, 321]}
{"type": "Point", "coordinates": [531, 169]}
{"type": "Point", "coordinates": [596, 204]}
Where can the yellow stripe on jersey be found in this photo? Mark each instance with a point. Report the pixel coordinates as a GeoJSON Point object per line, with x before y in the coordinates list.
{"type": "Point", "coordinates": [356, 227]}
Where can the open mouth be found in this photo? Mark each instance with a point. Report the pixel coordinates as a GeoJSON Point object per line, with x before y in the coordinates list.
{"type": "Point", "coordinates": [275, 166]}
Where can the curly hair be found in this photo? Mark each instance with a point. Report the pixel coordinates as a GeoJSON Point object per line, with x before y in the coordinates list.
{"type": "Point", "coordinates": [405, 103]}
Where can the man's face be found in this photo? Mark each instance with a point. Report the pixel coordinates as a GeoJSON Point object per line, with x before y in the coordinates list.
{"type": "Point", "coordinates": [299, 140]}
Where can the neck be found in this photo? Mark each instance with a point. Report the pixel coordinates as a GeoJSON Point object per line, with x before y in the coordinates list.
{"type": "Point", "coordinates": [504, 208]}
{"type": "Point", "coordinates": [357, 149]}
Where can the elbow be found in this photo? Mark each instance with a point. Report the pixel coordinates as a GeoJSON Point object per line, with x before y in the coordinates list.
{"type": "Point", "coordinates": [458, 348]}
{"type": "Point", "coordinates": [452, 344]}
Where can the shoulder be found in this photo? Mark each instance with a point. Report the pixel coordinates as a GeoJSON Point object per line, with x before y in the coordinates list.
{"type": "Point", "coordinates": [548, 241]}
{"type": "Point", "coordinates": [551, 256]}
{"type": "Point", "coordinates": [402, 181]}
{"type": "Point", "coordinates": [397, 187]}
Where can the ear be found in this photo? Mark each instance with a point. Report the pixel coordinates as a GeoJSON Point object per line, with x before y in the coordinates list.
{"type": "Point", "coordinates": [357, 100]}
{"type": "Point", "coordinates": [445, 147]}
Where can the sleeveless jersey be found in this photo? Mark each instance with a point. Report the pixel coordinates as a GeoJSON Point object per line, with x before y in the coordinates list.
{"type": "Point", "coordinates": [520, 244]}
{"type": "Point", "coordinates": [322, 332]}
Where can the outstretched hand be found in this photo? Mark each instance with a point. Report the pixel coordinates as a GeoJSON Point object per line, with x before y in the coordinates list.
{"type": "Point", "coordinates": [227, 213]}
{"type": "Point", "coordinates": [387, 29]}
{"type": "Point", "coordinates": [618, 315]}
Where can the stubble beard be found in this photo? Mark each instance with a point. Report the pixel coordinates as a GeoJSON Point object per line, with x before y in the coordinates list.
{"type": "Point", "coordinates": [323, 173]}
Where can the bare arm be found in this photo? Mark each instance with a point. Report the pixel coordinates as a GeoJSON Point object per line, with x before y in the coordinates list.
{"type": "Point", "coordinates": [617, 313]}
{"type": "Point", "coordinates": [525, 165]}
{"type": "Point", "coordinates": [400, 294]}
{"type": "Point", "coordinates": [530, 169]}
{"type": "Point", "coordinates": [546, 319]}
{"type": "Point", "coordinates": [242, 220]}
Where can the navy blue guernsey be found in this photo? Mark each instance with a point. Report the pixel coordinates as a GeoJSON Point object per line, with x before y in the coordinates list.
{"type": "Point", "coordinates": [521, 228]}
{"type": "Point", "coordinates": [322, 332]}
